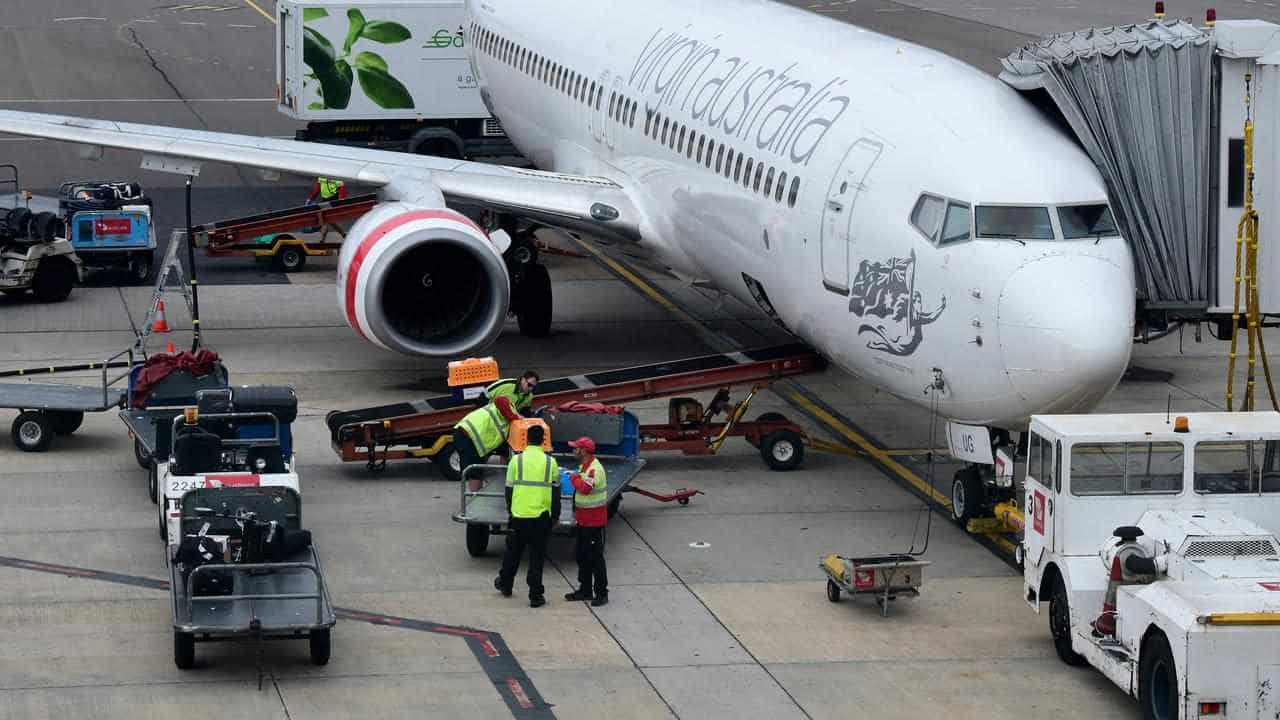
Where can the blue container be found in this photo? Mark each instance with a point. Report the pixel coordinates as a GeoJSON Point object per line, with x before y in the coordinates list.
{"type": "Point", "coordinates": [566, 482]}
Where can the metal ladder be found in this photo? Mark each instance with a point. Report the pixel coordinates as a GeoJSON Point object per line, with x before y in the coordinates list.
{"type": "Point", "coordinates": [170, 266]}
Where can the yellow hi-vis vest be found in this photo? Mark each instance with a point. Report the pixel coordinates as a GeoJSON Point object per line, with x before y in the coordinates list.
{"type": "Point", "coordinates": [329, 188]}
{"type": "Point", "coordinates": [532, 477]}
{"type": "Point", "coordinates": [486, 427]}
{"type": "Point", "coordinates": [509, 388]}
{"type": "Point", "coordinates": [599, 490]}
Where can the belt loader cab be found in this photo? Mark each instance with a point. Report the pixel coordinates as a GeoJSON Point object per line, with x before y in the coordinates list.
{"type": "Point", "coordinates": [235, 437]}
{"type": "Point", "coordinates": [1153, 543]}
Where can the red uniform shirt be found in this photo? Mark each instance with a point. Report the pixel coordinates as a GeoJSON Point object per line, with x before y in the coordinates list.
{"type": "Point", "coordinates": [584, 484]}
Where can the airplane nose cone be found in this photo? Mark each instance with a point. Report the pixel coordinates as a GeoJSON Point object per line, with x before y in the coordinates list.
{"type": "Point", "coordinates": [1066, 330]}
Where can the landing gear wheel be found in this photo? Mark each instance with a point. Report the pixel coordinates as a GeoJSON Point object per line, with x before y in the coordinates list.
{"type": "Point", "coordinates": [153, 482]}
{"type": "Point", "coordinates": [477, 540]}
{"type": "Point", "coordinates": [533, 308]}
{"type": "Point", "coordinates": [1158, 680]}
{"type": "Point", "coordinates": [1060, 623]}
{"type": "Point", "coordinates": [968, 496]}
{"type": "Point", "coordinates": [141, 455]}
{"type": "Point", "coordinates": [32, 431]}
{"type": "Point", "coordinates": [614, 504]}
{"type": "Point", "coordinates": [54, 279]}
{"type": "Point", "coordinates": [782, 450]}
{"type": "Point", "coordinates": [833, 590]}
{"type": "Point", "coordinates": [290, 258]}
{"type": "Point", "coordinates": [449, 462]}
{"type": "Point", "coordinates": [140, 268]}
{"type": "Point", "coordinates": [65, 422]}
{"type": "Point", "coordinates": [184, 650]}
{"type": "Point", "coordinates": [320, 646]}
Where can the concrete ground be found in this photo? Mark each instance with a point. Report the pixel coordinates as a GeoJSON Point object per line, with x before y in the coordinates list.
{"type": "Point", "coordinates": [717, 609]}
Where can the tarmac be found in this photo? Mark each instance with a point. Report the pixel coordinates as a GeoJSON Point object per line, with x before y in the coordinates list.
{"type": "Point", "coordinates": [717, 608]}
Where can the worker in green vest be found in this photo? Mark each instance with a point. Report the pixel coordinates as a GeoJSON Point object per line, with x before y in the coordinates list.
{"type": "Point", "coordinates": [478, 435]}
{"type": "Point", "coordinates": [518, 392]}
{"type": "Point", "coordinates": [533, 500]}
{"type": "Point", "coordinates": [590, 514]}
{"type": "Point", "coordinates": [327, 189]}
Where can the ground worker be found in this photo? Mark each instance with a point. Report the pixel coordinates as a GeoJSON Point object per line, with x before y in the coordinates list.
{"type": "Point", "coordinates": [533, 500]}
{"type": "Point", "coordinates": [518, 392]}
{"type": "Point", "coordinates": [484, 429]}
{"type": "Point", "coordinates": [591, 513]}
{"type": "Point", "coordinates": [328, 189]}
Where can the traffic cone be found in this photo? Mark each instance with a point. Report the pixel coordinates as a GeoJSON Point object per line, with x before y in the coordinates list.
{"type": "Point", "coordinates": [160, 325]}
{"type": "Point", "coordinates": [1105, 625]}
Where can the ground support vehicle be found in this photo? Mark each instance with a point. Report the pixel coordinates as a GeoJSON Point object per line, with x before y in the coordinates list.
{"type": "Point", "coordinates": [259, 577]}
{"type": "Point", "coordinates": [288, 237]}
{"type": "Point", "coordinates": [249, 445]}
{"type": "Point", "coordinates": [424, 428]}
{"type": "Point", "coordinates": [47, 409]}
{"type": "Point", "coordinates": [886, 577]}
{"type": "Point", "coordinates": [423, 99]}
{"type": "Point", "coordinates": [32, 255]}
{"type": "Point", "coordinates": [109, 223]}
{"type": "Point", "coordinates": [1180, 606]}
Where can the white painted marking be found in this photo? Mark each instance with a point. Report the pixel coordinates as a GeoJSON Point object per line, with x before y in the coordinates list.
{"type": "Point", "coordinates": [187, 22]}
{"type": "Point", "coordinates": [79, 19]}
{"type": "Point", "coordinates": [144, 20]}
{"type": "Point", "coordinates": [887, 10]}
{"type": "Point", "coordinates": [247, 27]}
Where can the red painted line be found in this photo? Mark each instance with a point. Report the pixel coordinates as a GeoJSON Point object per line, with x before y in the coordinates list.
{"type": "Point", "coordinates": [518, 691]}
{"type": "Point", "coordinates": [464, 633]}
{"type": "Point", "coordinates": [489, 649]}
{"type": "Point", "coordinates": [372, 239]}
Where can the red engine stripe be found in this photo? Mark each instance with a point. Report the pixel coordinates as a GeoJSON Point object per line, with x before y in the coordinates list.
{"type": "Point", "coordinates": [381, 231]}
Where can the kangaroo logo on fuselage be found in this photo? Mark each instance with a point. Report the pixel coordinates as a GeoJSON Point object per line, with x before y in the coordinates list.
{"type": "Point", "coordinates": [885, 298]}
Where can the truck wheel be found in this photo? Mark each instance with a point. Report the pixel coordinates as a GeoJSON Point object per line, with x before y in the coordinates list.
{"type": "Point", "coordinates": [449, 462]}
{"type": "Point", "coordinates": [1060, 623]}
{"type": "Point", "coordinates": [153, 482]}
{"type": "Point", "coordinates": [533, 310]}
{"type": "Point", "coordinates": [54, 279]}
{"type": "Point", "coordinates": [65, 422]}
{"type": "Point", "coordinates": [833, 590]}
{"type": "Point", "coordinates": [141, 455]}
{"type": "Point", "coordinates": [184, 650]}
{"type": "Point", "coordinates": [477, 539]}
{"type": "Point", "coordinates": [782, 450]}
{"type": "Point", "coordinates": [967, 495]}
{"type": "Point", "coordinates": [1157, 680]}
{"type": "Point", "coordinates": [32, 431]}
{"type": "Point", "coordinates": [290, 258]}
{"type": "Point", "coordinates": [320, 646]}
{"type": "Point", "coordinates": [140, 267]}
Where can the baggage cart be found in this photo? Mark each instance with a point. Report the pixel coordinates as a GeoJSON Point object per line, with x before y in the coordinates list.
{"type": "Point", "coordinates": [886, 577]}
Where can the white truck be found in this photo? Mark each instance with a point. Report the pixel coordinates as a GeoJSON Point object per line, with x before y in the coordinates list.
{"type": "Point", "coordinates": [391, 74]}
{"type": "Point", "coordinates": [1152, 539]}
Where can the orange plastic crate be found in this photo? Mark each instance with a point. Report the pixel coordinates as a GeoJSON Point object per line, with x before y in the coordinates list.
{"type": "Point", "coordinates": [473, 371]}
{"type": "Point", "coordinates": [518, 435]}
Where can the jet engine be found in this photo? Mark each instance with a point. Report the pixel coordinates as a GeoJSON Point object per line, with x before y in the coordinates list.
{"type": "Point", "coordinates": [422, 281]}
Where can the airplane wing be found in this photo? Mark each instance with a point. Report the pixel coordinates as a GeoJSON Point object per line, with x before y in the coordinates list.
{"type": "Point", "coordinates": [588, 204]}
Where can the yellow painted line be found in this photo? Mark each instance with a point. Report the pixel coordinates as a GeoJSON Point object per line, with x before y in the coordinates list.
{"type": "Point", "coordinates": [865, 446]}
{"type": "Point", "coordinates": [636, 281]}
{"type": "Point", "coordinates": [261, 12]}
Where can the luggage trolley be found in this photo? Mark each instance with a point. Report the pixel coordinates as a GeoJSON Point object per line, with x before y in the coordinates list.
{"type": "Point", "coordinates": [49, 409]}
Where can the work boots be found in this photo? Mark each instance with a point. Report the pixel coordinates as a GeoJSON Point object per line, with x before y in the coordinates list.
{"type": "Point", "coordinates": [577, 596]}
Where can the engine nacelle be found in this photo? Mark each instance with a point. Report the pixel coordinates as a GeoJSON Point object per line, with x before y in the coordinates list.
{"type": "Point", "coordinates": [422, 281]}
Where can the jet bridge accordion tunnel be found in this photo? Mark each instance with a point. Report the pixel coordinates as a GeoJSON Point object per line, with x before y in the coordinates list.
{"type": "Point", "coordinates": [1161, 107]}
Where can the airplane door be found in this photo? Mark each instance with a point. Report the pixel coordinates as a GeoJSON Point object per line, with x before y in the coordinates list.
{"type": "Point", "coordinates": [837, 214]}
{"type": "Point", "coordinates": [1042, 485]}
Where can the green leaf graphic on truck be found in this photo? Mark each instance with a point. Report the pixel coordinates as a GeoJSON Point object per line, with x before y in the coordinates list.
{"type": "Point", "coordinates": [336, 73]}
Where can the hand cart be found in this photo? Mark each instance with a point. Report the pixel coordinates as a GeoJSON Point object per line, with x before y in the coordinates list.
{"type": "Point", "coordinates": [884, 576]}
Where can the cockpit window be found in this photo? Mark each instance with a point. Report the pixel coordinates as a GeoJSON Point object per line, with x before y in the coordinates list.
{"type": "Point", "coordinates": [956, 226]}
{"type": "Point", "coordinates": [927, 215]}
{"type": "Point", "coordinates": [1084, 221]}
{"type": "Point", "coordinates": [1014, 222]}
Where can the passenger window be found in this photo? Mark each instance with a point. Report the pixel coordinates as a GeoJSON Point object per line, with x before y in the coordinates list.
{"type": "Point", "coordinates": [693, 140]}
{"type": "Point", "coordinates": [1228, 468]}
{"type": "Point", "coordinates": [927, 215]}
{"type": "Point", "coordinates": [794, 195]}
{"type": "Point", "coordinates": [768, 181]}
{"type": "Point", "coordinates": [719, 158]}
{"type": "Point", "coordinates": [632, 122]}
{"type": "Point", "coordinates": [675, 130]}
{"type": "Point", "coordinates": [648, 122]}
{"type": "Point", "coordinates": [613, 98]}
{"type": "Point", "coordinates": [702, 144]}
{"type": "Point", "coordinates": [782, 186]}
{"type": "Point", "coordinates": [737, 169]}
{"type": "Point", "coordinates": [956, 226]}
{"type": "Point", "coordinates": [680, 144]}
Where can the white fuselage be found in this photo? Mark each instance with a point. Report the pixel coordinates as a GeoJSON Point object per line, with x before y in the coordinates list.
{"type": "Point", "coordinates": [867, 124]}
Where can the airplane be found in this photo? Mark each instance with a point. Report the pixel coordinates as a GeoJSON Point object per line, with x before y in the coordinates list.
{"type": "Point", "coordinates": [908, 216]}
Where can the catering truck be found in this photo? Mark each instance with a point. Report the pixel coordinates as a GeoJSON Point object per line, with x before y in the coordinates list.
{"type": "Point", "coordinates": [389, 74]}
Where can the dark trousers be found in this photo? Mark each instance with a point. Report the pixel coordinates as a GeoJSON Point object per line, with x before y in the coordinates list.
{"type": "Point", "coordinates": [534, 534]}
{"type": "Point", "coordinates": [593, 577]}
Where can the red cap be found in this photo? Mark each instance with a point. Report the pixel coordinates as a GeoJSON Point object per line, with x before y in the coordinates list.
{"type": "Point", "coordinates": [585, 443]}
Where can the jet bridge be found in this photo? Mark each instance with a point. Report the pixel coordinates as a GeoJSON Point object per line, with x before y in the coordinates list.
{"type": "Point", "coordinates": [1160, 107]}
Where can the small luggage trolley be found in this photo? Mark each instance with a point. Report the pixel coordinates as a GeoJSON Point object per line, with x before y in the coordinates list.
{"type": "Point", "coordinates": [884, 576]}
{"type": "Point", "coordinates": [49, 409]}
{"type": "Point", "coordinates": [245, 570]}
